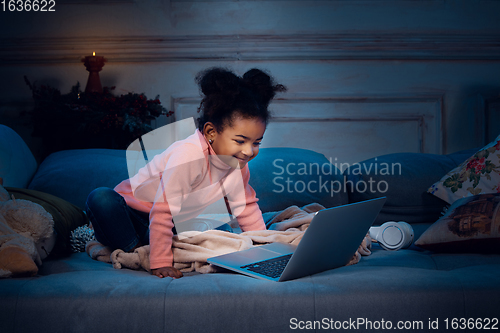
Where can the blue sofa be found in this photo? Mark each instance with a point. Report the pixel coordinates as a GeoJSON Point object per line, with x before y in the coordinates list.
{"type": "Point", "coordinates": [412, 288]}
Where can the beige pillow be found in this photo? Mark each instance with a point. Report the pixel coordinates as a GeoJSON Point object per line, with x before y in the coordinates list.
{"type": "Point", "coordinates": [471, 224]}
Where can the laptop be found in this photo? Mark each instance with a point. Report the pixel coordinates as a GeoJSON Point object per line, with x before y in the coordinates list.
{"type": "Point", "coordinates": [329, 242]}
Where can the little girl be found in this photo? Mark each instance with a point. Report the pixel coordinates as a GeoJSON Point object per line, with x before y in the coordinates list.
{"type": "Point", "coordinates": [230, 129]}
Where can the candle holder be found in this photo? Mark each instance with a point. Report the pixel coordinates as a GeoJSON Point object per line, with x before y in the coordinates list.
{"type": "Point", "coordinates": [94, 65]}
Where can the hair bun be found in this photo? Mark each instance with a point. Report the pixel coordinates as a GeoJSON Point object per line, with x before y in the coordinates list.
{"type": "Point", "coordinates": [227, 94]}
{"type": "Point", "coordinates": [218, 81]}
{"type": "Point", "coordinates": [262, 85]}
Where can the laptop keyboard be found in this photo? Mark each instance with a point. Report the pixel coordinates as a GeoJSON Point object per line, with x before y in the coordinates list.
{"type": "Point", "coordinates": [271, 267]}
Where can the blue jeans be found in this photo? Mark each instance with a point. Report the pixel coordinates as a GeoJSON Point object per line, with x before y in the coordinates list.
{"type": "Point", "coordinates": [116, 224]}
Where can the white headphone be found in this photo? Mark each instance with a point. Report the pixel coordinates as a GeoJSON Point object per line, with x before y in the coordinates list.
{"type": "Point", "coordinates": [392, 235]}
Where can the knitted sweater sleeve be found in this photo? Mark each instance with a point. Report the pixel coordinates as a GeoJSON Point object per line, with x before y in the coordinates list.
{"type": "Point", "coordinates": [243, 203]}
{"type": "Point", "coordinates": [182, 169]}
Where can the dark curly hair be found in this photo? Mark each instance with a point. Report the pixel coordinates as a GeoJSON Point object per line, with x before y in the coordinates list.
{"type": "Point", "coordinates": [227, 95]}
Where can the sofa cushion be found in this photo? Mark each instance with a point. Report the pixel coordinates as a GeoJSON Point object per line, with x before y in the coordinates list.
{"type": "Point", "coordinates": [73, 174]}
{"type": "Point", "coordinates": [471, 224]}
{"type": "Point", "coordinates": [282, 177]}
{"type": "Point", "coordinates": [66, 216]}
{"type": "Point", "coordinates": [405, 285]}
{"type": "Point", "coordinates": [404, 179]}
{"type": "Point", "coordinates": [17, 163]}
{"type": "Point", "coordinates": [480, 173]}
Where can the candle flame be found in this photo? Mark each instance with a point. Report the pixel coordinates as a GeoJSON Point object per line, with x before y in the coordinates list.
{"type": "Point", "coordinates": [93, 54]}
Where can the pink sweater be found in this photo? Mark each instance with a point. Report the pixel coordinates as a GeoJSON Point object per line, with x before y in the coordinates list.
{"type": "Point", "coordinates": [179, 184]}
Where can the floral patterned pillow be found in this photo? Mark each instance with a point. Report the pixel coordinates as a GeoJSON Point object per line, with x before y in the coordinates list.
{"type": "Point", "coordinates": [477, 175]}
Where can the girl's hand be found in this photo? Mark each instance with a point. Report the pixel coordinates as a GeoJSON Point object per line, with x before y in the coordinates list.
{"type": "Point", "coordinates": [167, 271]}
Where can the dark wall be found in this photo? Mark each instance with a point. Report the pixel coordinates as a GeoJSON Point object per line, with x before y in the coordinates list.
{"type": "Point", "coordinates": [364, 77]}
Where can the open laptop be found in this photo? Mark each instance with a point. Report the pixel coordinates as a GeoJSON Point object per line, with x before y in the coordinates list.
{"type": "Point", "coordinates": [329, 242]}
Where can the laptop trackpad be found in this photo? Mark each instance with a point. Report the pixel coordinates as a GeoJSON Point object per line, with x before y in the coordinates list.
{"type": "Point", "coordinates": [280, 248]}
{"type": "Point", "coordinates": [267, 251]}
{"type": "Point", "coordinates": [255, 254]}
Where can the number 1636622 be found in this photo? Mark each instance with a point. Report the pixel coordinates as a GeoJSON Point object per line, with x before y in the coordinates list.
{"type": "Point", "coordinates": [28, 5]}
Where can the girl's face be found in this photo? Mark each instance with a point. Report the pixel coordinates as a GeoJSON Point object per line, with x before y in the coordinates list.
{"type": "Point", "coordinates": [238, 144]}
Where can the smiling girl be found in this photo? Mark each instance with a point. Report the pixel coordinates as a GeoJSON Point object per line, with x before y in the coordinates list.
{"type": "Point", "coordinates": [189, 175]}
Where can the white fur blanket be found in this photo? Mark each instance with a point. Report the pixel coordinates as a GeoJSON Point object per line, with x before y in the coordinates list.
{"type": "Point", "coordinates": [192, 248]}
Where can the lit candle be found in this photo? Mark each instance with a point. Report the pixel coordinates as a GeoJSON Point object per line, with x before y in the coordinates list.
{"type": "Point", "coordinates": [94, 58]}
{"type": "Point", "coordinates": [94, 65]}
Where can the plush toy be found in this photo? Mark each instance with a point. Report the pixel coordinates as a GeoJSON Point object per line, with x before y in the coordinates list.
{"type": "Point", "coordinates": [26, 235]}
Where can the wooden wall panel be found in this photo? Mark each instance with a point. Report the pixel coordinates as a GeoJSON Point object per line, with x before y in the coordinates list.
{"type": "Point", "coordinates": [350, 129]}
{"type": "Point", "coordinates": [365, 77]}
{"type": "Point", "coordinates": [492, 118]}
{"type": "Point", "coordinates": [249, 47]}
